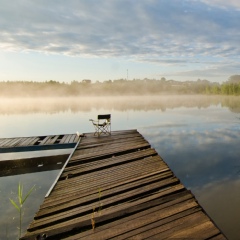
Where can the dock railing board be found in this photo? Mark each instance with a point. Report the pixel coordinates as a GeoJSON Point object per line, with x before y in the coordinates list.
{"type": "Point", "coordinates": [37, 143]}
{"type": "Point", "coordinates": [118, 187]}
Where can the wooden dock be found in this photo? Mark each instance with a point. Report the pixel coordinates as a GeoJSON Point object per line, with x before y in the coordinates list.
{"type": "Point", "coordinates": [37, 143]}
{"type": "Point", "coordinates": [118, 187]}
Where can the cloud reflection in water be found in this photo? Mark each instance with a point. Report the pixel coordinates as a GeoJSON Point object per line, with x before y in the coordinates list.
{"type": "Point", "coordinates": [205, 157]}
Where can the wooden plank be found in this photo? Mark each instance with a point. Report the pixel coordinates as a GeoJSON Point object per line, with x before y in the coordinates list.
{"type": "Point", "coordinates": [63, 140]}
{"type": "Point", "coordinates": [97, 142]}
{"type": "Point", "coordinates": [115, 144]}
{"type": "Point", "coordinates": [83, 191]}
{"type": "Point", "coordinates": [52, 140]}
{"type": "Point", "coordinates": [165, 231]}
{"type": "Point", "coordinates": [34, 141]}
{"type": "Point", "coordinates": [114, 134]}
{"type": "Point", "coordinates": [27, 141]}
{"type": "Point", "coordinates": [110, 139]}
{"type": "Point", "coordinates": [72, 139]}
{"type": "Point", "coordinates": [149, 225]}
{"type": "Point", "coordinates": [22, 140]}
{"type": "Point", "coordinates": [106, 203]}
{"type": "Point", "coordinates": [111, 213]}
{"type": "Point", "coordinates": [43, 142]}
{"type": "Point", "coordinates": [68, 138]}
{"type": "Point", "coordinates": [7, 142]}
{"type": "Point", "coordinates": [13, 142]}
{"type": "Point", "coordinates": [107, 162]}
{"type": "Point", "coordinates": [166, 192]}
{"type": "Point", "coordinates": [22, 144]}
{"type": "Point", "coordinates": [79, 157]}
{"type": "Point", "coordinates": [3, 141]}
{"type": "Point", "coordinates": [50, 202]}
{"type": "Point", "coordinates": [195, 228]}
{"type": "Point", "coordinates": [111, 193]}
{"type": "Point", "coordinates": [119, 181]}
{"type": "Point", "coordinates": [116, 164]}
{"type": "Point", "coordinates": [136, 223]}
{"type": "Point", "coordinates": [112, 175]}
{"type": "Point", "coordinates": [17, 142]}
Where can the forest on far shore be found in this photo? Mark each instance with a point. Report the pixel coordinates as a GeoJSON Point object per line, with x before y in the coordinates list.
{"type": "Point", "coordinates": [120, 87]}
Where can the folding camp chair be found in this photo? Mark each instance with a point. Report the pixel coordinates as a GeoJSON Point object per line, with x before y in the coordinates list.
{"type": "Point", "coordinates": [102, 125]}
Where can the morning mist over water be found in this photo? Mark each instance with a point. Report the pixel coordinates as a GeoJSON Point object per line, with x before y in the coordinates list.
{"type": "Point", "coordinates": [57, 56]}
{"type": "Point", "coordinates": [197, 136]}
{"type": "Point", "coordinates": [50, 105]}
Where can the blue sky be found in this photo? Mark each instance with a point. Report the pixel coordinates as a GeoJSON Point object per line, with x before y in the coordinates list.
{"type": "Point", "coordinates": [63, 40]}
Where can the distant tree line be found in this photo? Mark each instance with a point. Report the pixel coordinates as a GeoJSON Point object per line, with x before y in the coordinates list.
{"type": "Point", "coordinates": [118, 87]}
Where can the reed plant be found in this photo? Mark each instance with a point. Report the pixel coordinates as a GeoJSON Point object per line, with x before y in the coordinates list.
{"type": "Point", "coordinates": [99, 200]}
{"type": "Point", "coordinates": [99, 210]}
{"type": "Point", "coordinates": [19, 205]}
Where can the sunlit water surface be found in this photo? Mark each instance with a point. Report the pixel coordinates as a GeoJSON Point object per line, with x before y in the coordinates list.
{"type": "Point", "coordinates": [198, 137]}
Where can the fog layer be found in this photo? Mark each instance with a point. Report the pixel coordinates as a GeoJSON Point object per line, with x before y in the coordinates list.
{"type": "Point", "coordinates": [140, 103]}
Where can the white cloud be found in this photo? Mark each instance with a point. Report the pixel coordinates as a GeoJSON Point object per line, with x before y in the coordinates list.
{"type": "Point", "coordinates": [210, 69]}
{"type": "Point", "coordinates": [223, 3]}
{"type": "Point", "coordinates": [113, 27]}
{"type": "Point", "coordinates": [163, 32]}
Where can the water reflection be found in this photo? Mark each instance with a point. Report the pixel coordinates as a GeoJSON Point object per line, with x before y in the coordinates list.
{"type": "Point", "coordinates": [136, 103]}
{"type": "Point", "coordinates": [198, 156]}
{"type": "Point", "coordinates": [198, 137]}
{"type": "Point", "coordinates": [38, 168]}
{"type": "Point", "coordinates": [23, 166]}
{"type": "Point", "coordinates": [9, 220]}
{"type": "Point", "coordinates": [220, 199]}
{"type": "Point", "coordinates": [33, 154]}
{"type": "Point", "coordinates": [204, 154]}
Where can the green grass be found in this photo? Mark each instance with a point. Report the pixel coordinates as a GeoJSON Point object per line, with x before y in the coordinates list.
{"type": "Point", "coordinates": [19, 205]}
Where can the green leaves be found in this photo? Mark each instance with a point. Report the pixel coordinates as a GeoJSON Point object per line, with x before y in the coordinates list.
{"type": "Point", "coordinates": [29, 192]}
{"type": "Point", "coordinates": [14, 204]}
{"type": "Point", "coordinates": [21, 201]}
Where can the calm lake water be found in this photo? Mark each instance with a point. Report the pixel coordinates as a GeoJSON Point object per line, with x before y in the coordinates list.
{"type": "Point", "coordinates": [198, 137]}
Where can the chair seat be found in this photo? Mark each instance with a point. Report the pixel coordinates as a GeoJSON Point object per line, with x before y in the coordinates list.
{"type": "Point", "coordinates": [100, 124]}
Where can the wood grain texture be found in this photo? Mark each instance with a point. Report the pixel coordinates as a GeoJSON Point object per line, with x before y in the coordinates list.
{"type": "Point", "coordinates": [122, 185]}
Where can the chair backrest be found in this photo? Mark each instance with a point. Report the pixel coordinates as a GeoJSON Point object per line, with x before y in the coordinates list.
{"type": "Point", "coordinates": [104, 116]}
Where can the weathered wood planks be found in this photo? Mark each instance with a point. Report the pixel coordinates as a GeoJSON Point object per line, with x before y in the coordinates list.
{"type": "Point", "coordinates": [122, 185]}
{"type": "Point", "coordinates": [37, 143]}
